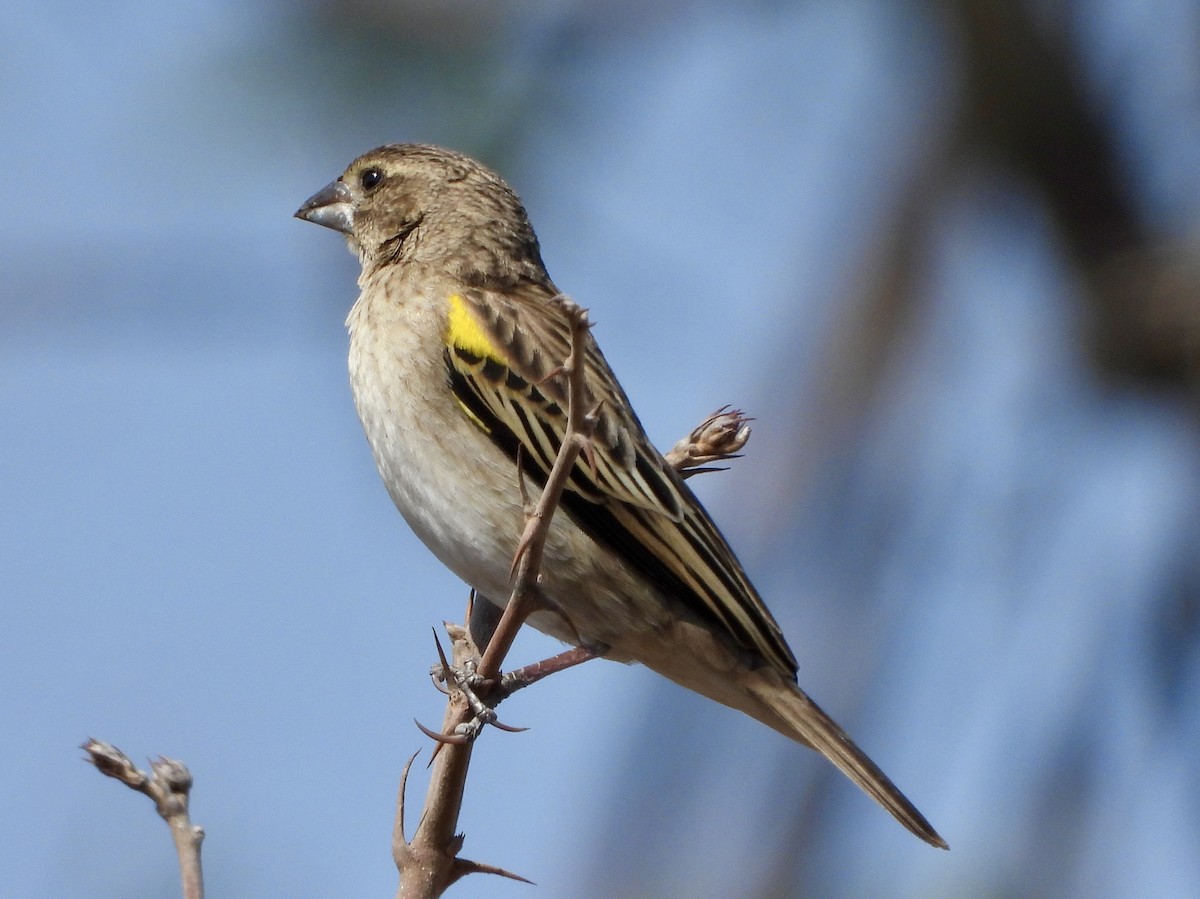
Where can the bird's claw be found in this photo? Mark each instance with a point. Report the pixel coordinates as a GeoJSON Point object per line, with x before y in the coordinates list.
{"type": "Point", "coordinates": [467, 681]}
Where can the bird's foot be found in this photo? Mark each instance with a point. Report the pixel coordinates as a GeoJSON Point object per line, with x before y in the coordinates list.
{"type": "Point", "coordinates": [482, 695]}
{"type": "Point", "coordinates": [479, 693]}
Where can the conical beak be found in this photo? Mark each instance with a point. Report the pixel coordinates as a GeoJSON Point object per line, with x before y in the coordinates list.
{"type": "Point", "coordinates": [331, 207]}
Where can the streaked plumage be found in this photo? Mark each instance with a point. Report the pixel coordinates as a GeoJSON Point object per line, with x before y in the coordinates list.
{"type": "Point", "coordinates": [633, 500]}
{"type": "Point", "coordinates": [456, 341]}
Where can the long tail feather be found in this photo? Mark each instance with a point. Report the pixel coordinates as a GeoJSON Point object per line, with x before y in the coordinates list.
{"type": "Point", "coordinates": [789, 710]}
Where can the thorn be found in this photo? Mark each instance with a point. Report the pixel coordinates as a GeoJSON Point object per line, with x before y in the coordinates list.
{"type": "Point", "coordinates": [688, 472]}
{"type": "Point", "coordinates": [440, 673]}
{"type": "Point", "coordinates": [400, 798]}
{"type": "Point", "coordinates": [439, 737]}
{"type": "Point", "coordinates": [522, 547]}
{"type": "Point", "coordinates": [508, 728]}
{"type": "Point", "coordinates": [593, 416]}
{"type": "Point", "coordinates": [526, 504]}
{"type": "Point", "coordinates": [463, 867]}
{"type": "Point", "coordinates": [589, 452]}
{"type": "Point", "coordinates": [441, 655]}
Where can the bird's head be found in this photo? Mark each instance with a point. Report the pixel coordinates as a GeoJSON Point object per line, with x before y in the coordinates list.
{"type": "Point", "coordinates": [405, 204]}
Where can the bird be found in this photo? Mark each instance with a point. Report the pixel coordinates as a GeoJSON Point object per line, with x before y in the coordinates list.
{"type": "Point", "coordinates": [456, 348]}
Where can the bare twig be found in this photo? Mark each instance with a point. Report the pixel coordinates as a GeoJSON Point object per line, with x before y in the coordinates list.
{"type": "Point", "coordinates": [169, 785]}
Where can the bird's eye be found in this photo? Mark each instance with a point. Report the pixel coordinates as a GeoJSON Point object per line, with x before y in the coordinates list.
{"type": "Point", "coordinates": [370, 179]}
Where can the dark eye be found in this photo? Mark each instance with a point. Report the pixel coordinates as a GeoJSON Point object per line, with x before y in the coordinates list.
{"type": "Point", "coordinates": [370, 179]}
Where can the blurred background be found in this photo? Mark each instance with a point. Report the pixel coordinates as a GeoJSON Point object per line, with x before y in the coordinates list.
{"type": "Point", "coordinates": [946, 253]}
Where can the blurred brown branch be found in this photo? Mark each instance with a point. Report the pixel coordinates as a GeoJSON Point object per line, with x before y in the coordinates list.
{"type": "Point", "coordinates": [1017, 105]}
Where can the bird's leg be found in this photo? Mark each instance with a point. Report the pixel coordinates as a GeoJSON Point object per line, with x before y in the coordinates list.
{"type": "Point", "coordinates": [483, 616]}
{"type": "Point", "coordinates": [520, 678]}
{"type": "Point", "coordinates": [483, 695]}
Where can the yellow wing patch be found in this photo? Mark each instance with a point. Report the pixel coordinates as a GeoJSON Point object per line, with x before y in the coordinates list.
{"type": "Point", "coordinates": [463, 331]}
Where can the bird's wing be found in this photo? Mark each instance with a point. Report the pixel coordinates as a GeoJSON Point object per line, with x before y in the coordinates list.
{"type": "Point", "coordinates": [503, 353]}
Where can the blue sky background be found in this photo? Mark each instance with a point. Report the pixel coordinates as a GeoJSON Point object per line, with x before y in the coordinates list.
{"type": "Point", "coordinates": [989, 571]}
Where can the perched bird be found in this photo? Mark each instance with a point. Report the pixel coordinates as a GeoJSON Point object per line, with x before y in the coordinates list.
{"type": "Point", "coordinates": [456, 344]}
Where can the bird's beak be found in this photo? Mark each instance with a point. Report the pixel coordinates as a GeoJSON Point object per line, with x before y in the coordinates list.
{"type": "Point", "coordinates": [331, 207]}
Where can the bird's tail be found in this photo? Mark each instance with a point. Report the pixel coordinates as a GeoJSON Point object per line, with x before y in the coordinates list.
{"type": "Point", "coordinates": [785, 707]}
